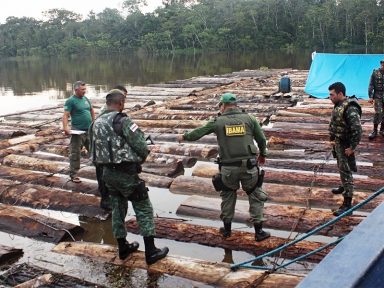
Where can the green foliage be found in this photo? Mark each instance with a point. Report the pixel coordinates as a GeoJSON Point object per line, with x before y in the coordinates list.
{"type": "Point", "coordinates": [187, 25]}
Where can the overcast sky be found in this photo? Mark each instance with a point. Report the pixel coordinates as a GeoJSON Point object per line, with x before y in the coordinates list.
{"type": "Point", "coordinates": [33, 8]}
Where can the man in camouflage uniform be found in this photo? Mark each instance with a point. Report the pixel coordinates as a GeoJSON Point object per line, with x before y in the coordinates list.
{"type": "Point", "coordinates": [376, 92]}
{"type": "Point", "coordinates": [345, 130]}
{"type": "Point", "coordinates": [236, 132]}
{"type": "Point", "coordinates": [119, 146]}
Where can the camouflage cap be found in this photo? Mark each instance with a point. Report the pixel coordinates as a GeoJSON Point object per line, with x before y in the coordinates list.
{"type": "Point", "coordinates": [228, 98]}
{"type": "Point", "coordinates": [114, 92]}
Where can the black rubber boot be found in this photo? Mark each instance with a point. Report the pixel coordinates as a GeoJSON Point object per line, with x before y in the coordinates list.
{"type": "Point", "coordinates": [126, 248]}
{"type": "Point", "coordinates": [104, 204]}
{"type": "Point", "coordinates": [373, 133]}
{"type": "Point", "coordinates": [338, 190]}
{"type": "Point", "coordinates": [260, 234]}
{"type": "Point", "coordinates": [226, 230]}
{"type": "Point", "coordinates": [347, 204]}
{"type": "Point", "coordinates": [153, 254]}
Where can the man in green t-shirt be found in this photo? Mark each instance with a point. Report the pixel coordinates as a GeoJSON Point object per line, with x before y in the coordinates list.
{"type": "Point", "coordinates": [79, 108]}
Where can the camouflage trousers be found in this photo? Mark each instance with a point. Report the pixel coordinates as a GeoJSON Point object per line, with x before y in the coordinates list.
{"type": "Point", "coordinates": [344, 170]}
{"type": "Point", "coordinates": [75, 146]}
{"type": "Point", "coordinates": [120, 186]}
{"type": "Point", "coordinates": [379, 110]}
{"type": "Point", "coordinates": [232, 177]}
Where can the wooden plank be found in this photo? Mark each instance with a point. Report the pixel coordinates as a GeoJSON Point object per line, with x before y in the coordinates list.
{"type": "Point", "coordinates": [180, 230]}
{"type": "Point", "coordinates": [277, 216]}
{"type": "Point", "coordinates": [26, 223]}
{"type": "Point", "coordinates": [277, 193]}
{"type": "Point", "coordinates": [217, 274]}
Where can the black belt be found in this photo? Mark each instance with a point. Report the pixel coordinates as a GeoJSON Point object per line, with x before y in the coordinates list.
{"type": "Point", "coordinates": [127, 167]}
{"type": "Point", "coordinates": [235, 164]}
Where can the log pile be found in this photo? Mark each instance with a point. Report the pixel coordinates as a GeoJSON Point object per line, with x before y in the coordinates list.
{"type": "Point", "coordinates": [299, 170]}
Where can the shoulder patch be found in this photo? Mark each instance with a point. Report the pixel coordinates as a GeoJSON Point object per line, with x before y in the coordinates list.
{"type": "Point", "coordinates": [133, 127]}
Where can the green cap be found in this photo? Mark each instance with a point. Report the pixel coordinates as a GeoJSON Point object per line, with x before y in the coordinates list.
{"type": "Point", "coordinates": [228, 98]}
{"type": "Point", "coordinates": [114, 91]}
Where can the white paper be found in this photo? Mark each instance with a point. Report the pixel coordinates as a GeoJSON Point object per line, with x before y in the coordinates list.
{"type": "Point", "coordinates": [77, 132]}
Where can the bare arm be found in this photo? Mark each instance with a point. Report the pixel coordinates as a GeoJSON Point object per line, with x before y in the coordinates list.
{"type": "Point", "coordinates": [66, 129]}
{"type": "Point", "coordinates": [92, 114]}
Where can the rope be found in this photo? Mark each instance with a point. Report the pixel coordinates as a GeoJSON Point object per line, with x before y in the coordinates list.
{"type": "Point", "coordinates": [310, 233]}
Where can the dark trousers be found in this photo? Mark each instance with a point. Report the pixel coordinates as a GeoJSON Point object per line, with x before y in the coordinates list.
{"type": "Point", "coordinates": [103, 190]}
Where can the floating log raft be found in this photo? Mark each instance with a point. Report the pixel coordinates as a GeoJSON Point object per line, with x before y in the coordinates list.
{"type": "Point", "coordinates": [47, 180]}
{"type": "Point", "coordinates": [24, 273]}
{"type": "Point", "coordinates": [277, 216]}
{"type": "Point", "coordinates": [292, 178]}
{"type": "Point", "coordinates": [9, 254]}
{"type": "Point", "coordinates": [26, 223]}
{"type": "Point", "coordinates": [277, 193]}
{"type": "Point", "coordinates": [39, 197]}
{"type": "Point", "coordinates": [180, 230]}
{"type": "Point", "coordinates": [217, 274]}
{"type": "Point", "coordinates": [25, 162]}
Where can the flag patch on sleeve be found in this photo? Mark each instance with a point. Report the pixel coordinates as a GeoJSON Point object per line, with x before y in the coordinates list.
{"type": "Point", "coordinates": [133, 127]}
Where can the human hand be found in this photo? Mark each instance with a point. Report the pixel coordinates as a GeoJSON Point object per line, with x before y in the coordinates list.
{"type": "Point", "coordinates": [370, 100]}
{"type": "Point", "coordinates": [261, 160]}
{"type": "Point", "coordinates": [67, 131]}
{"type": "Point", "coordinates": [349, 151]}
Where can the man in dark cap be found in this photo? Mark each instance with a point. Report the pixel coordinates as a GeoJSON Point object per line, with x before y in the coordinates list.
{"type": "Point", "coordinates": [376, 92]}
{"type": "Point", "coordinates": [236, 132]}
{"type": "Point", "coordinates": [118, 144]}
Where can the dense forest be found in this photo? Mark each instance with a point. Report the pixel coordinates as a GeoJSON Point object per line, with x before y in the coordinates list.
{"type": "Point", "coordinates": [183, 25]}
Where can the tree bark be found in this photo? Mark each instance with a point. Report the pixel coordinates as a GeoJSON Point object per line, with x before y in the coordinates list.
{"type": "Point", "coordinates": [216, 274]}
{"type": "Point", "coordinates": [26, 223]}
{"type": "Point", "coordinates": [9, 254]}
{"type": "Point", "coordinates": [42, 280]}
{"type": "Point", "coordinates": [177, 229]}
{"type": "Point", "coordinates": [295, 178]}
{"type": "Point", "coordinates": [191, 150]}
{"type": "Point", "coordinates": [282, 194]}
{"type": "Point", "coordinates": [277, 216]}
{"type": "Point", "coordinates": [39, 197]}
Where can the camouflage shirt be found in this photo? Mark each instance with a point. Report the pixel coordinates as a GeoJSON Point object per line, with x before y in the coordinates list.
{"type": "Point", "coordinates": [376, 84]}
{"type": "Point", "coordinates": [107, 146]}
{"type": "Point", "coordinates": [345, 126]}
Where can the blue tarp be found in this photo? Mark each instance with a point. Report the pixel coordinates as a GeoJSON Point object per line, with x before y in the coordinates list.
{"type": "Point", "coordinates": [354, 70]}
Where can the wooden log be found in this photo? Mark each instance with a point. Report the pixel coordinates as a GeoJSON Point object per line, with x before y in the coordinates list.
{"type": "Point", "coordinates": [45, 279]}
{"type": "Point", "coordinates": [282, 194]}
{"type": "Point", "coordinates": [62, 150]}
{"type": "Point", "coordinates": [276, 216]}
{"type": "Point", "coordinates": [297, 178]}
{"type": "Point", "coordinates": [170, 123]}
{"type": "Point", "coordinates": [32, 144]}
{"type": "Point", "coordinates": [25, 162]}
{"type": "Point", "coordinates": [186, 149]}
{"type": "Point", "coordinates": [48, 180]}
{"type": "Point", "coordinates": [158, 158]}
{"type": "Point", "coordinates": [179, 230]}
{"type": "Point", "coordinates": [29, 224]}
{"type": "Point", "coordinates": [167, 170]}
{"type": "Point", "coordinates": [33, 110]}
{"type": "Point", "coordinates": [324, 111]}
{"type": "Point", "coordinates": [323, 167]}
{"type": "Point", "coordinates": [11, 133]}
{"type": "Point", "coordinates": [286, 143]}
{"type": "Point", "coordinates": [296, 119]}
{"type": "Point", "coordinates": [22, 272]}
{"type": "Point", "coordinates": [297, 134]}
{"type": "Point", "coordinates": [9, 254]}
{"type": "Point", "coordinates": [216, 274]}
{"type": "Point", "coordinates": [207, 139]}
{"type": "Point", "coordinates": [39, 197]}
{"type": "Point", "coordinates": [14, 141]}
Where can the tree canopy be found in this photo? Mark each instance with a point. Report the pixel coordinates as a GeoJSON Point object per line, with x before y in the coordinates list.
{"type": "Point", "coordinates": [225, 25]}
